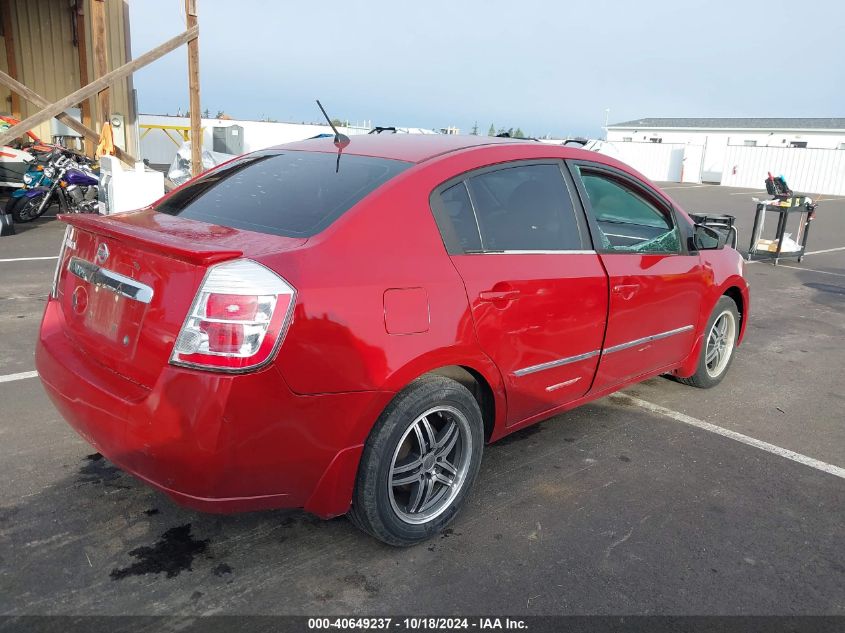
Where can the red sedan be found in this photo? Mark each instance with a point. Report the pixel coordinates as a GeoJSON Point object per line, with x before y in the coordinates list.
{"type": "Point", "coordinates": [299, 328]}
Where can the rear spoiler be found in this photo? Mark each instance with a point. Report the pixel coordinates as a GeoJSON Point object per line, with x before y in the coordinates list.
{"type": "Point", "coordinates": [151, 239]}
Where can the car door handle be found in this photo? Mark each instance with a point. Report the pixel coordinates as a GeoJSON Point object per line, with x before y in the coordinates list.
{"type": "Point", "coordinates": [626, 291]}
{"type": "Point", "coordinates": [498, 295]}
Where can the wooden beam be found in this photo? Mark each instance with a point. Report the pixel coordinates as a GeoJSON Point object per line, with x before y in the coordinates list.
{"type": "Point", "coordinates": [194, 89]}
{"type": "Point", "coordinates": [11, 60]}
{"type": "Point", "coordinates": [95, 86]}
{"type": "Point", "coordinates": [99, 43]}
{"type": "Point", "coordinates": [33, 97]}
{"type": "Point", "coordinates": [82, 46]}
{"type": "Point", "coordinates": [41, 102]}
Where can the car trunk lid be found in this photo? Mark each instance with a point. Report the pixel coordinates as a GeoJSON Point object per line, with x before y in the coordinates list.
{"type": "Point", "coordinates": [126, 283]}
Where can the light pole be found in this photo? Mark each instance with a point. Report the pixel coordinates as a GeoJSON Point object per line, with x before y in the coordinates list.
{"type": "Point", "coordinates": [606, 121]}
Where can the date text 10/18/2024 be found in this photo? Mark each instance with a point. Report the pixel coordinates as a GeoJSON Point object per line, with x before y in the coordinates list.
{"type": "Point", "coordinates": [416, 624]}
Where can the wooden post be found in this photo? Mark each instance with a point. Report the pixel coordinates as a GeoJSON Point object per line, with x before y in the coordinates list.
{"type": "Point", "coordinates": [11, 60]}
{"type": "Point", "coordinates": [82, 45]}
{"type": "Point", "coordinates": [194, 89]}
{"type": "Point", "coordinates": [101, 66]}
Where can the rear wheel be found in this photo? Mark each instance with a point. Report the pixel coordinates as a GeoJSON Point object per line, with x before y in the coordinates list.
{"type": "Point", "coordinates": [718, 348]}
{"type": "Point", "coordinates": [26, 209]}
{"type": "Point", "coordinates": [419, 462]}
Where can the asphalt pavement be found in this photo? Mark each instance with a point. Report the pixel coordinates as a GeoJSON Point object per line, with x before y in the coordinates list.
{"type": "Point", "coordinates": [612, 508]}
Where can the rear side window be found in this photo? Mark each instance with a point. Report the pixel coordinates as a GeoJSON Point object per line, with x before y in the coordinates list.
{"type": "Point", "coordinates": [524, 208]}
{"type": "Point", "coordinates": [457, 220]}
{"type": "Point", "coordinates": [294, 194]}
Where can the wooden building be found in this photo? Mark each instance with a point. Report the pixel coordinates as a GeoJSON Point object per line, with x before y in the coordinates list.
{"type": "Point", "coordinates": [48, 45]}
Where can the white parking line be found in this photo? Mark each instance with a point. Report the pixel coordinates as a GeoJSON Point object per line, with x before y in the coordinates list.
{"type": "Point", "coordinates": [822, 252]}
{"type": "Point", "coordinates": [827, 250]}
{"type": "Point", "coordinates": [21, 376]}
{"type": "Point", "coordinates": [623, 398]}
{"type": "Point", "coordinates": [811, 270]}
{"type": "Point", "coordinates": [27, 259]}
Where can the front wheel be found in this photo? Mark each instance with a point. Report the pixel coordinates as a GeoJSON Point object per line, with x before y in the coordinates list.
{"type": "Point", "coordinates": [25, 209]}
{"type": "Point", "coordinates": [419, 462]}
{"type": "Point", "coordinates": [718, 347]}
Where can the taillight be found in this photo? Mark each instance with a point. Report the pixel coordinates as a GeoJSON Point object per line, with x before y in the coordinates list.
{"type": "Point", "coordinates": [237, 320]}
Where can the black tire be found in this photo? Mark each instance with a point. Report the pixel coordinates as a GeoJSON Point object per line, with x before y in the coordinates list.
{"type": "Point", "coordinates": [710, 374]}
{"type": "Point", "coordinates": [21, 207]}
{"type": "Point", "coordinates": [377, 506]}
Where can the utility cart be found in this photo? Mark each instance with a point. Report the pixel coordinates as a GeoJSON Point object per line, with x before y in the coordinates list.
{"type": "Point", "coordinates": [786, 205]}
{"type": "Point", "coordinates": [782, 245]}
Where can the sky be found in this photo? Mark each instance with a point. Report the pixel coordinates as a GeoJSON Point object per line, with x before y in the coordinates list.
{"type": "Point", "coordinates": [546, 67]}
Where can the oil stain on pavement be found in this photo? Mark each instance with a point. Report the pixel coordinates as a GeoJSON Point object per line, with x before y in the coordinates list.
{"type": "Point", "coordinates": [98, 470]}
{"type": "Point", "coordinates": [173, 554]}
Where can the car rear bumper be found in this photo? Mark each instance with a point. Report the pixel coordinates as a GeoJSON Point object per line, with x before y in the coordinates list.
{"type": "Point", "coordinates": [212, 442]}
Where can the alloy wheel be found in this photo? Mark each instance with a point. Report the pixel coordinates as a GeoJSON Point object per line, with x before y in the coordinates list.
{"type": "Point", "coordinates": [720, 344]}
{"type": "Point", "coordinates": [430, 464]}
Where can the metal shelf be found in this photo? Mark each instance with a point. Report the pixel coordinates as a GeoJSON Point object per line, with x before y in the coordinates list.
{"type": "Point", "coordinates": [783, 207]}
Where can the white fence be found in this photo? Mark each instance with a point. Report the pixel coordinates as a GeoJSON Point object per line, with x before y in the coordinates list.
{"type": "Point", "coordinates": [806, 170]}
{"type": "Point", "coordinates": [656, 161]}
{"type": "Point", "coordinates": [816, 171]}
{"type": "Point", "coordinates": [672, 162]}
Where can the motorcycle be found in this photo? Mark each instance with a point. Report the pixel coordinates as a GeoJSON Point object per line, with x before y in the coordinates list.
{"type": "Point", "coordinates": [15, 158]}
{"type": "Point", "coordinates": [61, 176]}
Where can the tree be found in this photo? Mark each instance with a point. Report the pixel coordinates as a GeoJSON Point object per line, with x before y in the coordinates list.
{"type": "Point", "coordinates": [205, 113]}
{"type": "Point", "coordinates": [519, 133]}
{"type": "Point", "coordinates": [475, 129]}
{"type": "Point", "coordinates": [337, 122]}
{"type": "Point", "coordinates": [491, 131]}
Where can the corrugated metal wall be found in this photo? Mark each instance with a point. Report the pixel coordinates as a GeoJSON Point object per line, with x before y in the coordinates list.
{"type": "Point", "coordinates": [806, 170]}
{"type": "Point", "coordinates": [47, 60]}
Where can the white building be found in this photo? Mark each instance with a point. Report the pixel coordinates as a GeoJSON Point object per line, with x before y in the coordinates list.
{"type": "Point", "coordinates": [716, 135]}
{"type": "Point", "coordinates": [161, 135]}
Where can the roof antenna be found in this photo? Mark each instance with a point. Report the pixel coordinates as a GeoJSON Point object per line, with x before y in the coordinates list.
{"type": "Point", "coordinates": [340, 140]}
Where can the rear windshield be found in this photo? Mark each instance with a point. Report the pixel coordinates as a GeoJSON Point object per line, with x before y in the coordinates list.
{"type": "Point", "coordinates": [295, 194]}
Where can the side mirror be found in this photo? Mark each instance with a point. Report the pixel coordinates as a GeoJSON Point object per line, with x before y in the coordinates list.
{"type": "Point", "coordinates": [706, 239]}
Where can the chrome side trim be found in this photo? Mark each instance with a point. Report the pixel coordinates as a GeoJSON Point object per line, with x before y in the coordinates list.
{"type": "Point", "coordinates": [115, 282]}
{"type": "Point", "coordinates": [555, 363]}
{"type": "Point", "coordinates": [616, 348]}
{"type": "Point", "coordinates": [646, 339]}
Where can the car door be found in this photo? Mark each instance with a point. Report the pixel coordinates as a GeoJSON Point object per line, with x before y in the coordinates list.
{"type": "Point", "coordinates": [656, 285]}
{"type": "Point", "coordinates": [536, 289]}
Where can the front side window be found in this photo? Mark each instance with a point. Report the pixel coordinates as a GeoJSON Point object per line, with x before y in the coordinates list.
{"type": "Point", "coordinates": [524, 208]}
{"type": "Point", "coordinates": [294, 194]}
{"type": "Point", "coordinates": [627, 222]}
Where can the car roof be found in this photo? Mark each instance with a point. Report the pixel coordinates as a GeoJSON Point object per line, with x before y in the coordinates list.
{"type": "Point", "coordinates": [413, 148]}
